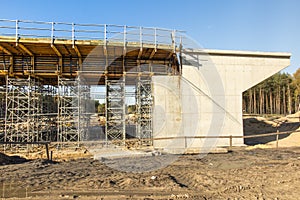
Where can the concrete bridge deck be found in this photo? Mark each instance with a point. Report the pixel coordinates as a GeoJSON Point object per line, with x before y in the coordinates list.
{"type": "Point", "coordinates": [51, 49]}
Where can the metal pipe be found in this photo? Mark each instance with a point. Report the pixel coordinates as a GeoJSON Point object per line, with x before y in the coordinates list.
{"type": "Point", "coordinates": [52, 33]}
{"type": "Point", "coordinates": [124, 38]}
{"type": "Point", "coordinates": [73, 35]}
{"type": "Point", "coordinates": [17, 33]}
{"type": "Point", "coordinates": [105, 32]}
{"type": "Point", "coordinates": [141, 37]}
{"type": "Point", "coordinates": [155, 39]}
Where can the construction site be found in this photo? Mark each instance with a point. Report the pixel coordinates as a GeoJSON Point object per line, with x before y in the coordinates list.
{"type": "Point", "coordinates": [54, 76]}
{"type": "Point", "coordinates": [91, 93]}
{"type": "Point", "coordinates": [47, 70]}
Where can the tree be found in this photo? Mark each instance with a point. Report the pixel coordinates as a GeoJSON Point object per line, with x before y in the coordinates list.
{"type": "Point", "coordinates": [296, 85]}
{"type": "Point", "coordinates": [275, 95]}
{"type": "Point", "coordinates": [101, 109]}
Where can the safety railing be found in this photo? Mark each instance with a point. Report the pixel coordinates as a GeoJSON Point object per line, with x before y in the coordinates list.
{"type": "Point", "coordinates": [188, 138]}
{"type": "Point", "coordinates": [74, 31]}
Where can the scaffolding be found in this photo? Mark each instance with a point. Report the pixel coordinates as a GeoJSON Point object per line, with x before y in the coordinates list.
{"type": "Point", "coordinates": [86, 107]}
{"type": "Point", "coordinates": [144, 102]}
{"type": "Point", "coordinates": [2, 111]}
{"type": "Point", "coordinates": [48, 116]}
{"type": "Point", "coordinates": [46, 75]}
{"type": "Point", "coordinates": [115, 128]}
{"type": "Point", "coordinates": [23, 107]}
{"type": "Point", "coordinates": [73, 113]}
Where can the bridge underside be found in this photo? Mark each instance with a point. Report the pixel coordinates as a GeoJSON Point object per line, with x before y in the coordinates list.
{"type": "Point", "coordinates": [46, 86]}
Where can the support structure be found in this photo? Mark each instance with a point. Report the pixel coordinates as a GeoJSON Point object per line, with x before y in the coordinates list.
{"type": "Point", "coordinates": [144, 102]}
{"type": "Point", "coordinates": [23, 107]}
{"type": "Point", "coordinates": [115, 128]}
{"type": "Point", "coordinates": [68, 110]}
{"type": "Point", "coordinates": [2, 112]}
{"type": "Point", "coordinates": [48, 116]}
{"type": "Point", "coordinates": [46, 76]}
{"type": "Point", "coordinates": [72, 109]}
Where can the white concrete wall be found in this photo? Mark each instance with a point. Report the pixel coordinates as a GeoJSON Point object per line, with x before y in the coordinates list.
{"type": "Point", "coordinates": [207, 100]}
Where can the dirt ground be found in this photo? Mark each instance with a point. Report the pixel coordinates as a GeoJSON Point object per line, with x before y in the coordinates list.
{"type": "Point", "coordinates": [259, 171]}
{"type": "Point", "coordinates": [240, 174]}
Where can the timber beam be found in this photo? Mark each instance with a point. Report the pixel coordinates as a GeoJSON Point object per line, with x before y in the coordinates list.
{"type": "Point", "coordinates": [60, 61]}
{"type": "Point", "coordinates": [5, 50]}
{"type": "Point", "coordinates": [152, 54]}
{"type": "Point", "coordinates": [79, 57]}
{"type": "Point", "coordinates": [25, 49]}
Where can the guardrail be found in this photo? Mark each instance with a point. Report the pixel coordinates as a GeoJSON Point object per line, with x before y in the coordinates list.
{"type": "Point", "coordinates": [185, 138]}
{"type": "Point", "coordinates": [75, 31]}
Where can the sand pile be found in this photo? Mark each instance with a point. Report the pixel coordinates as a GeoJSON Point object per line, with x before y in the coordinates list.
{"type": "Point", "coordinates": [294, 117]}
{"type": "Point", "coordinates": [261, 125]}
{"type": "Point", "coordinates": [5, 159]}
{"type": "Point", "coordinates": [293, 140]}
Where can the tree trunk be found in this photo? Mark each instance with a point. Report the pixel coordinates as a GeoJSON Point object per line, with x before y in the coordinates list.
{"type": "Point", "coordinates": [260, 98]}
{"type": "Point", "coordinates": [271, 103]}
{"type": "Point", "coordinates": [283, 101]}
{"type": "Point", "coordinates": [267, 106]}
{"type": "Point", "coordinates": [250, 101]}
{"type": "Point", "coordinates": [254, 102]}
{"type": "Point", "coordinates": [278, 100]}
{"type": "Point", "coordinates": [289, 99]}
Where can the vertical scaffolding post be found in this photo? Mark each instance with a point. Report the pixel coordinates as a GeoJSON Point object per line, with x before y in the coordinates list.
{"type": "Point", "coordinates": [115, 128]}
{"type": "Point", "coordinates": [2, 111]}
{"type": "Point", "coordinates": [144, 101]}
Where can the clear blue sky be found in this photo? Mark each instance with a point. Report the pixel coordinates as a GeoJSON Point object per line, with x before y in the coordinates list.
{"type": "Point", "coordinates": [262, 25]}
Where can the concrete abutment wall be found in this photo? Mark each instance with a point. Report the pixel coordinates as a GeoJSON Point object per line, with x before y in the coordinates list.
{"type": "Point", "coordinates": [207, 99]}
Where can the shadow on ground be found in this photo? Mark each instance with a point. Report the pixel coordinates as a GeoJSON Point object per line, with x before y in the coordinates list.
{"type": "Point", "coordinates": [253, 126]}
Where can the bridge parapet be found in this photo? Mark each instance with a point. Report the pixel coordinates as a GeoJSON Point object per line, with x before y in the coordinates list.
{"type": "Point", "coordinates": [55, 31]}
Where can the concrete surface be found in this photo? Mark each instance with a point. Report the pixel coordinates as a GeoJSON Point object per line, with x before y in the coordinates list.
{"type": "Point", "coordinates": [207, 99]}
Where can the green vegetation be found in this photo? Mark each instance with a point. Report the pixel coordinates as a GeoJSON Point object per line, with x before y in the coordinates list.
{"type": "Point", "coordinates": [279, 94]}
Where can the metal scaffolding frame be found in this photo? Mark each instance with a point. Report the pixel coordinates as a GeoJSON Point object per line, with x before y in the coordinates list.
{"type": "Point", "coordinates": [2, 111]}
{"type": "Point", "coordinates": [46, 95]}
{"type": "Point", "coordinates": [23, 107]}
{"type": "Point", "coordinates": [73, 94]}
{"type": "Point", "coordinates": [144, 102]}
{"type": "Point", "coordinates": [48, 115]}
{"type": "Point", "coordinates": [37, 112]}
{"type": "Point", "coordinates": [115, 128]}
{"type": "Point", "coordinates": [86, 107]}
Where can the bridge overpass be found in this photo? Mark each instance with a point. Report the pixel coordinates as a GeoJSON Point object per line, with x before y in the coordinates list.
{"type": "Point", "coordinates": [47, 70]}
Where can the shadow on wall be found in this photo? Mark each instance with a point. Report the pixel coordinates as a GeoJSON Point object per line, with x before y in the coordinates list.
{"type": "Point", "coordinates": [253, 126]}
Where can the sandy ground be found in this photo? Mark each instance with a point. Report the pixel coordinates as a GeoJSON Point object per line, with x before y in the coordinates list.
{"type": "Point", "coordinates": [240, 174]}
{"type": "Point", "coordinates": [261, 125]}
{"type": "Point", "coordinates": [254, 172]}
